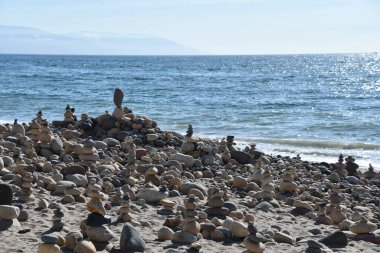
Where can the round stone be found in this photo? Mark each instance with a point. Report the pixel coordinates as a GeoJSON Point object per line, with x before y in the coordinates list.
{"type": "Point", "coordinates": [85, 247]}
{"type": "Point", "coordinates": [99, 234]}
{"type": "Point", "coordinates": [182, 237]}
{"type": "Point", "coordinates": [8, 212]}
{"type": "Point", "coordinates": [72, 239]}
{"type": "Point", "coordinates": [48, 248]}
{"type": "Point", "coordinates": [165, 234]}
{"type": "Point", "coordinates": [238, 229]}
{"type": "Point", "coordinates": [49, 238]}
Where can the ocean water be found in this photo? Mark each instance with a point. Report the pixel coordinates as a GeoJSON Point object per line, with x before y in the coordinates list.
{"type": "Point", "coordinates": [317, 106]}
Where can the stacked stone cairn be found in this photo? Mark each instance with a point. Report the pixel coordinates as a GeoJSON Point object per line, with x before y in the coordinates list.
{"type": "Point", "coordinates": [340, 167]}
{"type": "Point", "coordinates": [287, 185]}
{"type": "Point", "coordinates": [35, 130]}
{"type": "Point", "coordinates": [69, 115]}
{"type": "Point", "coordinates": [168, 207]}
{"type": "Point", "coordinates": [26, 194]}
{"type": "Point", "coordinates": [253, 242]}
{"type": "Point", "coordinates": [334, 209]}
{"type": "Point", "coordinates": [215, 203]}
{"type": "Point", "coordinates": [8, 213]}
{"type": "Point", "coordinates": [124, 210]}
{"type": "Point", "coordinates": [95, 229]}
{"type": "Point", "coordinates": [190, 227]}
{"type": "Point", "coordinates": [57, 220]}
{"type": "Point", "coordinates": [49, 244]}
{"type": "Point", "coordinates": [87, 153]}
{"type": "Point", "coordinates": [190, 144]}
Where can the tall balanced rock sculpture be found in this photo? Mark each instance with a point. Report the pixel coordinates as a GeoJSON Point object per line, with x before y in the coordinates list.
{"type": "Point", "coordinates": [118, 100]}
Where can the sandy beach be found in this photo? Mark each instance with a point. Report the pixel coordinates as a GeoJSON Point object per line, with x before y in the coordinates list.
{"type": "Point", "coordinates": [125, 185]}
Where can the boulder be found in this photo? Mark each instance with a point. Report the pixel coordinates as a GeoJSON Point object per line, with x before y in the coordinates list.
{"type": "Point", "coordinates": [130, 240]}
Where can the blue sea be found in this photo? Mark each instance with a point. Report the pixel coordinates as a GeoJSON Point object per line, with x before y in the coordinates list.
{"type": "Point", "coordinates": [317, 106]}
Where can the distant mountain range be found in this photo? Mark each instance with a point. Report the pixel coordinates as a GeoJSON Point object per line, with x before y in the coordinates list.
{"type": "Point", "coordinates": [26, 40]}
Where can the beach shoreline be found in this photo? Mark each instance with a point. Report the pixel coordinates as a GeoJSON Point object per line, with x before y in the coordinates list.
{"type": "Point", "coordinates": [211, 195]}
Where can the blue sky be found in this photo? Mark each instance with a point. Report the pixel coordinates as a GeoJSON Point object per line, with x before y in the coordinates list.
{"type": "Point", "coordinates": [215, 26]}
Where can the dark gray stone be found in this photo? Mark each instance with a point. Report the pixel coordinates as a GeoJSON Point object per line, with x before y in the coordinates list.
{"type": "Point", "coordinates": [75, 169]}
{"type": "Point", "coordinates": [130, 240]}
{"type": "Point", "coordinates": [335, 240]}
{"type": "Point", "coordinates": [49, 238]}
{"type": "Point", "coordinates": [118, 97]}
{"type": "Point", "coordinates": [241, 157]}
{"type": "Point", "coordinates": [95, 220]}
{"type": "Point", "coordinates": [6, 194]}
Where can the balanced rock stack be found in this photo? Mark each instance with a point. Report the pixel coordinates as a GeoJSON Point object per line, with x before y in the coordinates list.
{"type": "Point", "coordinates": [26, 194]}
{"type": "Point", "coordinates": [124, 210]}
{"type": "Point", "coordinates": [287, 185]}
{"type": "Point", "coordinates": [88, 153]}
{"type": "Point", "coordinates": [69, 114]}
{"type": "Point", "coordinates": [96, 231]}
{"type": "Point", "coordinates": [191, 142]}
{"type": "Point", "coordinates": [118, 113]}
{"type": "Point", "coordinates": [8, 217]}
{"type": "Point", "coordinates": [39, 117]}
{"type": "Point", "coordinates": [50, 244]}
{"type": "Point", "coordinates": [340, 167]}
{"type": "Point", "coordinates": [363, 227]}
{"type": "Point", "coordinates": [57, 220]}
{"type": "Point", "coordinates": [190, 227]}
{"type": "Point", "coordinates": [253, 242]}
{"type": "Point", "coordinates": [30, 152]}
{"type": "Point", "coordinates": [18, 129]}
{"type": "Point", "coordinates": [152, 177]}
{"type": "Point", "coordinates": [168, 207]}
{"type": "Point", "coordinates": [35, 130]}
{"type": "Point", "coordinates": [215, 203]}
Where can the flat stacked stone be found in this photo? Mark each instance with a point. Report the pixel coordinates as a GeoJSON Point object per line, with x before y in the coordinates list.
{"type": "Point", "coordinates": [168, 207]}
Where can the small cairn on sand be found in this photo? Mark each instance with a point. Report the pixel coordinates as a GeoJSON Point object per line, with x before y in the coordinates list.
{"type": "Point", "coordinates": [8, 213]}
{"type": "Point", "coordinates": [364, 226]}
{"type": "Point", "coordinates": [26, 194]}
{"type": "Point", "coordinates": [152, 177]}
{"type": "Point", "coordinates": [35, 130]}
{"type": "Point", "coordinates": [253, 242]}
{"type": "Point", "coordinates": [95, 229]}
{"type": "Point", "coordinates": [124, 210]}
{"type": "Point", "coordinates": [190, 227]}
{"type": "Point", "coordinates": [215, 203]}
{"type": "Point", "coordinates": [57, 220]}
{"type": "Point", "coordinates": [87, 153]}
{"type": "Point", "coordinates": [50, 244]}
{"type": "Point", "coordinates": [287, 185]}
{"type": "Point", "coordinates": [168, 207]}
